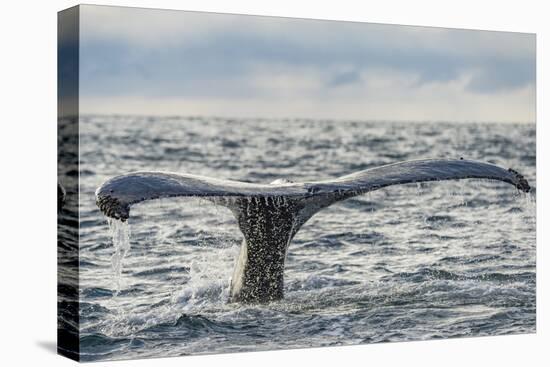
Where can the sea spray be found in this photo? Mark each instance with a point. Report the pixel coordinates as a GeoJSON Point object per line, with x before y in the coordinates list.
{"type": "Point", "coordinates": [120, 232]}
{"type": "Point", "coordinates": [209, 279]}
{"type": "Point", "coordinates": [210, 271]}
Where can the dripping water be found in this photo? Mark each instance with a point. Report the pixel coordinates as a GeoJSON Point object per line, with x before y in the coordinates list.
{"type": "Point", "coordinates": [529, 207]}
{"type": "Point", "coordinates": [120, 232]}
{"type": "Point", "coordinates": [419, 189]}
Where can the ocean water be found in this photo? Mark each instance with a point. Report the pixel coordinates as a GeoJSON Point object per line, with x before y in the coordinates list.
{"type": "Point", "coordinates": [411, 262]}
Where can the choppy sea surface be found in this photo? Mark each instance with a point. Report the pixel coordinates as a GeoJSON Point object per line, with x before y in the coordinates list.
{"type": "Point", "coordinates": [411, 262]}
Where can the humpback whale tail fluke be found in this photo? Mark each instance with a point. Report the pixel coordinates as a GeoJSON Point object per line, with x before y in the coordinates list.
{"type": "Point", "coordinates": [269, 215]}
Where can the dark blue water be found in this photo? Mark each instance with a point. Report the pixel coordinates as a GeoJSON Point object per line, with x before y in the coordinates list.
{"type": "Point", "coordinates": [436, 260]}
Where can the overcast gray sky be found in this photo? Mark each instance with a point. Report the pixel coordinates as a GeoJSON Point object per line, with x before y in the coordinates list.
{"type": "Point", "coordinates": [159, 62]}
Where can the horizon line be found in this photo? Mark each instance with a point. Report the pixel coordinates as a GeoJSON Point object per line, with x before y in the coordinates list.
{"type": "Point", "coordinates": [219, 117]}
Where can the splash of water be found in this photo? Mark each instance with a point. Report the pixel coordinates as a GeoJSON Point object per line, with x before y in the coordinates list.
{"type": "Point", "coordinates": [209, 280]}
{"type": "Point", "coordinates": [120, 232]}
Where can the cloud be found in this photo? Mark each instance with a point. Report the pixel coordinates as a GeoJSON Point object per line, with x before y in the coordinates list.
{"type": "Point", "coordinates": [187, 56]}
{"type": "Point", "coordinates": [346, 77]}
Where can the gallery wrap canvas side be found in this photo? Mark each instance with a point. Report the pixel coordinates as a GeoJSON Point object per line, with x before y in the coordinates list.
{"type": "Point", "coordinates": [68, 168]}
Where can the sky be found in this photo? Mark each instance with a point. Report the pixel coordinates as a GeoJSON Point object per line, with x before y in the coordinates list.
{"type": "Point", "coordinates": [166, 62]}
